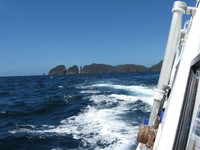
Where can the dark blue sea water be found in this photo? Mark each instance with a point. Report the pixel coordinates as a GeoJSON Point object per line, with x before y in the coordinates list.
{"type": "Point", "coordinates": [74, 112]}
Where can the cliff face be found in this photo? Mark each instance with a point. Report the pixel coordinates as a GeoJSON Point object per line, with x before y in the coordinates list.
{"type": "Point", "coordinates": [61, 70]}
{"type": "Point", "coordinates": [131, 68]}
{"type": "Point", "coordinates": [58, 70]}
{"type": "Point", "coordinates": [103, 68]}
{"type": "Point", "coordinates": [97, 68]}
{"type": "Point", "coordinates": [156, 67]}
{"type": "Point", "coordinates": [73, 70]}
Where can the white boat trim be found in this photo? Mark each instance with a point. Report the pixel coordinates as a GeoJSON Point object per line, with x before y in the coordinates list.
{"type": "Point", "coordinates": [177, 71]}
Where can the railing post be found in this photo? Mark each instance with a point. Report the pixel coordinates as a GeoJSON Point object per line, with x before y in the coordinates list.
{"type": "Point", "coordinates": [178, 10]}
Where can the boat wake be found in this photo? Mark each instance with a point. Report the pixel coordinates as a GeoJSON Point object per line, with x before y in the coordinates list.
{"type": "Point", "coordinates": [109, 121]}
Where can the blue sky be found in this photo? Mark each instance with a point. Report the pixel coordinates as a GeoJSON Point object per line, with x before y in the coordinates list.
{"type": "Point", "coordinates": [37, 35]}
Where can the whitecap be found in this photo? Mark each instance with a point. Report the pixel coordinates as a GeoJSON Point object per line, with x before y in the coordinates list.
{"type": "Point", "coordinates": [94, 128]}
{"type": "Point", "coordinates": [129, 98]}
{"type": "Point", "coordinates": [60, 86]}
{"type": "Point", "coordinates": [90, 92]}
{"type": "Point", "coordinates": [102, 125]}
{"type": "Point", "coordinates": [140, 90]}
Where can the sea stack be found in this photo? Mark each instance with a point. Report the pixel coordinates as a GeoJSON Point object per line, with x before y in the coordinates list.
{"type": "Point", "coordinates": [58, 70]}
{"type": "Point", "coordinates": [73, 70]}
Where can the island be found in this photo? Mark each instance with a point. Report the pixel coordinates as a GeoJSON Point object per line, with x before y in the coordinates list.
{"type": "Point", "coordinates": [103, 68]}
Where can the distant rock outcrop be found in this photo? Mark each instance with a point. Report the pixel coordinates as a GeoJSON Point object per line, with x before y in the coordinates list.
{"type": "Point", "coordinates": [97, 68]}
{"type": "Point", "coordinates": [73, 70]}
{"type": "Point", "coordinates": [156, 67]}
{"type": "Point", "coordinates": [58, 70]}
{"type": "Point", "coordinates": [103, 68]}
{"type": "Point", "coordinates": [131, 68]}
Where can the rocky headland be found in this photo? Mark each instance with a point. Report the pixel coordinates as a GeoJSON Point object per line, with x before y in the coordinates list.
{"type": "Point", "coordinates": [103, 68]}
{"type": "Point", "coordinates": [72, 70]}
{"type": "Point", "coordinates": [58, 70]}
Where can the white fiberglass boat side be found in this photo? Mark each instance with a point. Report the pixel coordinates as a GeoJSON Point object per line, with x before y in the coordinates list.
{"type": "Point", "coordinates": [178, 86]}
{"type": "Point", "coordinates": [168, 128]}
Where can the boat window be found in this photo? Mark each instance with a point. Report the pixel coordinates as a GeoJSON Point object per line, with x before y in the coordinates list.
{"type": "Point", "coordinates": [184, 126]}
{"type": "Point", "coordinates": [194, 140]}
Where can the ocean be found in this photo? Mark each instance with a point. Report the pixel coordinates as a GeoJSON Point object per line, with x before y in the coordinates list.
{"type": "Point", "coordinates": [74, 112]}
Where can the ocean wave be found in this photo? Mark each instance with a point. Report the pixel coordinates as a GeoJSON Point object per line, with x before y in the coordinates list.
{"type": "Point", "coordinates": [99, 112]}
{"type": "Point", "coordinates": [133, 89]}
{"type": "Point", "coordinates": [100, 128]}
{"type": "Point", "coordinates": [90, 91]}
{"type": "Point", "coordinates": [95, 128]}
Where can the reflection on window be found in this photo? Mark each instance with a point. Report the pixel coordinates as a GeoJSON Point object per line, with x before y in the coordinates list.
{"type": "Point", "coordinates": [187, 111]}
{"type": "Point", "coordinates": [194, 141]}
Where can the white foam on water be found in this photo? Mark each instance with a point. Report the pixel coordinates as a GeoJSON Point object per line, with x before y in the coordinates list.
{"type": "Point", "coordinates": [99, 128]}
{"type": "Point", "coordinates": [90, 91]}
{"type": "Point", "coordinates": [140, 90]}
{"type": "Point", "coordinates": [60, 86]}
{"type": "Point", "coordinates": [3, 112]}
{"type": "Point", "coordinates": [128, 98]}
{"type": "Point", "coordinates": [123, 99]}
{"type": "Point", "coordinates": [92, 127]}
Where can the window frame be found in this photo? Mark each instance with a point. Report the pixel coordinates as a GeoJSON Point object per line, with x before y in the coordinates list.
{"type": "Point", "coordinates": [186, 117]}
